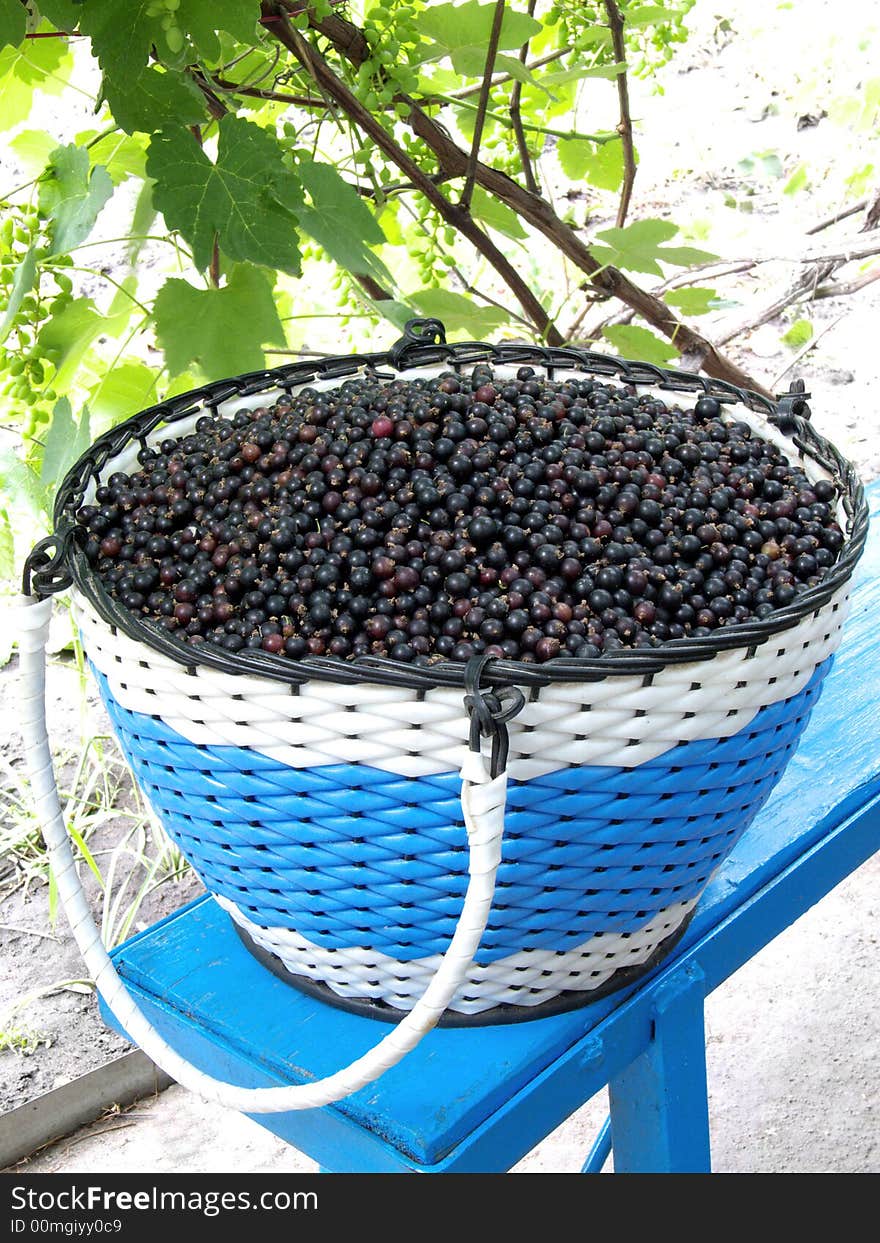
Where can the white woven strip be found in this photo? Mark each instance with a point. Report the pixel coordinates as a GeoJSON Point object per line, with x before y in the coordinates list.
{"type": "Point", "coordinates": [619, 721]}
{"type": "Point", "coordinates": [483, 800]}
{"type": "Point", "coordinates": [526, 978]}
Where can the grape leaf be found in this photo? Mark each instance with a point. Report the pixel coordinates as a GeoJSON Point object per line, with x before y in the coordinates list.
{"type": "Point", "coordinates": [21, 483]}
{"type": "Point", "coordinates": [65, 442]}
{"type": "Point", "coordinates": [639, 344]}
{"type": "Point", "coordinates": [222, 331]}
{"type": "Point", "coordinates": [248, 199]}
{"type": "Point", "coordinates": [496, 215]}
{"type": "Point", "coordinates": [652, 15]}
{"type": "Point", "coordinates": [122, 33]}
{"type": "Point", "coordinates": [141, 96]}
{"type": "Point", "coordinates": [150, 98]}
{"type": "Point", "coordinates": [601, 164]}
{"type": "Point", "coordinates": [455, 27]}
{"type": "Point", "coordinates": [201, 19]}
{"type": "Point", "coordinates": [123, 155]}
{"type": "Point", "coordinates": [470, 62]}
{"type": "Point", "coordinates": [461, 32]}
{"type": "Point", "coordinates": [125, 388]}
{"type": "Point", "coordinates": [22, 284]}
{"type": "Point", "coordinates": [72, 330]}
{"type": "Point", "coordinates": [799, 180]}
{"type": "Point", "coordinates": [33, 148]}
{"type": "Point", "coordinates": [72, 195]}
{"type": "Point", "coordinates": [39, 64]}
{"type": "Point", "coordinates": [458, 313]}
{"type": "Point", "coordinates": [7, 559]}
{"type": "Point", "coordinates": [692, 301]}
{"type": "Point", "coordinates": [639, 246]}
{"type": "Point", "coordinates": [799, 333]}
{"type": "Point", "coordinates": [13, 22]}
{"type": "Point", "coordinates": [340, 221]}
{"type": "Point", "coordinates": [578, 72]}
{"type": "Point", "coordinates": [63, 14]}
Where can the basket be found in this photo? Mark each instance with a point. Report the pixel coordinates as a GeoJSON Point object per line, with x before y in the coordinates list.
{"type": "Point", "coordinates": [320, 800]}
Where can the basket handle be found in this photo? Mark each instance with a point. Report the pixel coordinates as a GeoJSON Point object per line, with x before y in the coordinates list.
{"type": "Point", "coordinates": [482, 798]}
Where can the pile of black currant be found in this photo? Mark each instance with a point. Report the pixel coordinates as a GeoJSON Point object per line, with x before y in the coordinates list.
{"type": "Point", "coordinates": [438, 518]}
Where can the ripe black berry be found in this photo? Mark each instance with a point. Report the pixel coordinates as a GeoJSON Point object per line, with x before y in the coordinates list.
{"type": "Point", "coordinates": [439, 518]}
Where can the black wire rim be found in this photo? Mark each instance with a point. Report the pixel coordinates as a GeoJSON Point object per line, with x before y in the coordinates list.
{"type": "Point", "coordinates": [47, 572]}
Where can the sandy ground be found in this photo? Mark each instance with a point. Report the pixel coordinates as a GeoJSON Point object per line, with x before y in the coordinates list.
{"type": "Point", "coordinates": [794, 1037]}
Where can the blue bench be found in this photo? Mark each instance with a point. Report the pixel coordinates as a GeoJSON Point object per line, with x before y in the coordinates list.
{"type": "Point", "coordinates": [479, 1099]}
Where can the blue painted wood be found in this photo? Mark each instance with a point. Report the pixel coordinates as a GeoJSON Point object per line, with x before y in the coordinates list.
{"type": "Point", "coordinates": [659, 1103]}
{"type": "Point", "coordinates": [601, 1150]}
{"type": "Point", "coordinates": [479, 1099]}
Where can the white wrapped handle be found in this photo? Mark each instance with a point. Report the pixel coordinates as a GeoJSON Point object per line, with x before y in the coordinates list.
{"type": "Point", "coordinates": [482, 799]}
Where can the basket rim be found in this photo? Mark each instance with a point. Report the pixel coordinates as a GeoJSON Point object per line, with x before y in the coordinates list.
{"type": "Point", "coordinates": [788, 414]}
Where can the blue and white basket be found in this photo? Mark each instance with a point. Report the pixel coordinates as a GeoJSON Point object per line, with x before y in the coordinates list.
{"type": "Point", "coordinates": [320, 801]}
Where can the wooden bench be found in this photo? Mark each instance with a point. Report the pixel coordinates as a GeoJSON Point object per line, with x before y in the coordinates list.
{"type": "Point", "coordinates": [479, 1099]}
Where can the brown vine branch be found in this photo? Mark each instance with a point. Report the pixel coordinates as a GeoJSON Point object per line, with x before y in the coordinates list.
{"type": "Point", "coordinates": [832, 290]}
{"type": "Point", "coordinates": [839, 215]}
{"type": "Point", "coordinates": [503, 78]}
{"type": "Point", "coordinates": [532, 208]}
{"type": "Point", "coordinates": [216, 106]}
{"type": "Point", "coordinates": [458, 217]}
{"type": "Point", "coordinates": [516, 118]}
{"type": "Point", "coordinates": [280, 97]}
{"type": "Point", "coordinates": [872, 213]}
{"type": "Point", "coordinates": [482, 105]}
{"type": "Point", "coordinates": [802, 287]}
{"type": "Point", "coordinates": [616, 22]}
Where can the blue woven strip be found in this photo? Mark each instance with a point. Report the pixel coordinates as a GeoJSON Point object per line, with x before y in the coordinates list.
{"type": "Point", "coordinates": [349, 855]}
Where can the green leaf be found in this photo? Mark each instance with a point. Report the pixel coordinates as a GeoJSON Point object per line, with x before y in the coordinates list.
{"type": "Point", "coordinates": [201, 20]}
{"type": "Point", "coordinates": [20, 484]}
{"type": "Point", "coordinates": [122, 32]}
{"type": "Point", "coordinates": [123, 155]}
{"type": "Point", "coordinates": [63, 14]}
{"type": "Point", "coordinates": [126, 388]}
{"type": "Point", "coordinates": [39, 64]}
{"type": "Point", "coordinates": [461, 31]}
{"type": "Point", "coordinates": [340, 221]}
{"type": "Point", "coordinates": [221, 331]}
{"type": "Point", "coordinates": [65, 442]}
{"type": "Point", "coordinates": [652, 15]}
{"type": "Point", "coordinates": [578, 72]}
{"type": "Point", "coordinates": [140, 95]}
{"type": "Point", "coordinates": [72, 195]}
{"type": "Point", "coordinates": [640, 344]}
{"type": "Point", "coordinates": [601, 164]}
{"type": "Point", "coordinates": [799, 180]}
{"type": "Point", "coordinates": [22, 283]}
{"type": "Point", "coordinates": [799, 333]}
{"type": "Point", "coordinates": [152, 97]}
{"type": "Point", "coordinates": [639, 246]}
{"type": "Point", "coordinates": [470, 62]}
{"type": "Point", "coordinates": [458, 313]}
{"type": "Point", "coordinates": [72, 330]}
{"type": "Point", "coordinates": [496, 215]}
{"type": "Point", "coordinates": [469, 25]}
{"type": "Point", "coordinates": [397, 313]}
{"type": "Point", "coordinates": [7, 557]}
{"type": "Point", "coordinates": [33, 148]}
{"type": "Point", "coordinates": [13, 22]}
{"type": "Point", "coordinates": [248, 199]}
{"type": "Point", "coordinates": [693, 300]}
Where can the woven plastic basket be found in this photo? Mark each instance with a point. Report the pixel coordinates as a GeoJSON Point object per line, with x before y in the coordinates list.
{"type": "Point", "coordinates": [320, 801]}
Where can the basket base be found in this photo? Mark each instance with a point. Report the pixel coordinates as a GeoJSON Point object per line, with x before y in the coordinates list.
{"type": "Point", "coordinates": [574, 999]}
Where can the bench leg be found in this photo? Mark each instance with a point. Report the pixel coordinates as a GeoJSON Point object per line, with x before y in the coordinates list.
{"type": "Point", "coordinates": [659, 1104]}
